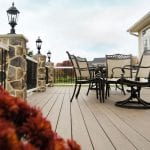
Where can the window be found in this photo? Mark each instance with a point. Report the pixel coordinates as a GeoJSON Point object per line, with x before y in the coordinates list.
{"type": "Point", "coordinates": [146, 39]}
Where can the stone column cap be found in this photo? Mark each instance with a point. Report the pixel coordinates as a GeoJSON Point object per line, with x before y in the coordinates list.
{"type": "Point", "coordinates": [13, 35]}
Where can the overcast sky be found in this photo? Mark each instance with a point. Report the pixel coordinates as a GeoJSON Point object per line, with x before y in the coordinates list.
{"type": "Point", "coordinates": [89, 28]}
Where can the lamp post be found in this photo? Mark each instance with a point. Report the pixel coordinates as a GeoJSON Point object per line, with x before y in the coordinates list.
{"type": "Point", "coordinates": [12, 13]}
{"type": "Point", "coordinates": [38, 44]}
{"type": "Point", "coordinates": [49, 55]}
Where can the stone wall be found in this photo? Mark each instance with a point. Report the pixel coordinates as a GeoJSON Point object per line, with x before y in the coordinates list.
{"type": "Point", "coordinates": [16, 64]}
{"type": "Point", "coordinates": [41, 72]}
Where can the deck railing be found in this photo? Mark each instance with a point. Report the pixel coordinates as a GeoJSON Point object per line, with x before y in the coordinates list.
{"type": "Point", "coordinates": [64, 75]}
{"type": "Point", "coordinates": [46, 77]}
{"type": "Point", "coordinates": [31, 73]}
{"type": "Point", "coordinates": [3, 56]}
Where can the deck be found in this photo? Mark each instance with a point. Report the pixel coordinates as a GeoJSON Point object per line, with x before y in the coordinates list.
{"type": "Point", "coordinates": [95, 125]}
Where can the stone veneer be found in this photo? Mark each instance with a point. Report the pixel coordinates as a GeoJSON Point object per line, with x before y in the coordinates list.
{"type": "Point", "coordinates": [41, 72]}
{"type": "Point", "coordinates": [16, 64]}
{"type": "Point", "coordinates": [50, 73]}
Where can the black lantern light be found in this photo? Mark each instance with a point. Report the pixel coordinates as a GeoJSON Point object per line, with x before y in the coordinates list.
{"type": "Point", "coordinates": [38, 44]}
{"type": "Point", "coordinates": [12, 13]}
{"type": "Point", "coordinates": [49, 55]}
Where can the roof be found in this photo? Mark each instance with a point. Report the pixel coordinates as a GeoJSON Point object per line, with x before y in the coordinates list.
{"type": "Point", "coordinates": [99, 60]}
{"type": "Point", "coordinates": [140, 24]}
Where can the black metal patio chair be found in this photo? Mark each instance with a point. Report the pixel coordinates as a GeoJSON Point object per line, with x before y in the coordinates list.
{"type": "Point", "coordinates": [142, 79]}
{"type": "Point", "coordinates": [114, 63]}
{"type": "Point", "coordinates": [82, 75]}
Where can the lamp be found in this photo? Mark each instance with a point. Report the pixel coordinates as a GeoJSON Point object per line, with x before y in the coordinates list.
{"type": "Point", "coordinates": [38, 44]}
{"type": "Point", "coordinates": [49, 55]}
{"type": "Point", "coordinates": [12, 13]}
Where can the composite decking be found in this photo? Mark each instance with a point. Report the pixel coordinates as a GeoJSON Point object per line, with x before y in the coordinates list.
{"type": "Point", "coordinates": [95, 125]}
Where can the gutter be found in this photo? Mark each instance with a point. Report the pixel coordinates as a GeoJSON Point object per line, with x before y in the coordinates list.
{"type": "Point", "coordinates": [137, 35]}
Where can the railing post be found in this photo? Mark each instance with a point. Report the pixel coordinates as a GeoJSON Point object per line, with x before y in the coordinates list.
{"type": "Point", "coordinates": [16, 65]}
{"type": "Point", "coordinates": [50, 73]}
{"type": "Point", "coordinates": [31, 73]}
{"type": "Point", "coordinates": [41, 72]}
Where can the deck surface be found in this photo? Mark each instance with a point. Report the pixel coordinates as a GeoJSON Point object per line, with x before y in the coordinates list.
{"type": "Point", "coordinates": [95, 125]}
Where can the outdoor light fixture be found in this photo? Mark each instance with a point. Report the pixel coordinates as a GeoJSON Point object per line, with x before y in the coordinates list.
{"type": "Point", "coordinates": [12, 13]}
{"type": "Point", "coordinates": [49, 55]}
{"type": "Point", "coordinates": [38, 44]}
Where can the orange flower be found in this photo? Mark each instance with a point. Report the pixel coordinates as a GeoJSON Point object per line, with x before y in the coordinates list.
{"type": "Point", "coordinates": [8, 137]}
{"type": "Point", "coordinates": [73, 145]}
{"type": "Point", "coordinates": [7, 105]}
{"type": "Point", "coordinates": [60, 144]}
{"type": "Point", "coordinates": [28, 146]}
{"type": "Point", "coordinates": [38, 131]}
{"type": "Point", "coordinates": [24, 128]}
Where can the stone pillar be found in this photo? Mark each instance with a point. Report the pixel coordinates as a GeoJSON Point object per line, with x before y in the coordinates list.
{"type": "Point", "coordinates": [16, 64]}
{"type": "Point", "coordinates": [50, 74]}
{"type": "Point", "coordinates": [41, 72]}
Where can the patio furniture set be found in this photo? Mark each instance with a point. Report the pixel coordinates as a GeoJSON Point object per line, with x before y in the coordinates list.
{"type": "Point", "coordinates": [119, 71]}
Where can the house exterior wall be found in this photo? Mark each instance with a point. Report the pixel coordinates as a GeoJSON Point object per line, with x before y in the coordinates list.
{"type": "Point", "coordinates": [141, 29]}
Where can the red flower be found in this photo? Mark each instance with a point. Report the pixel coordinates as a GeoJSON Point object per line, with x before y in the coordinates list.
{"type": "Point", "coordinates": [38, 131]}
{"type": "Point", "coordinates": [8, 107]}
{"type": "Point", "coordinates": [8, 137]}
{"type": "Point", "coordinates": [73, 145]}
{"type": "Point", "coordinates": [24, 128]}
{"type": "Point", "coordinates": [28, 146]}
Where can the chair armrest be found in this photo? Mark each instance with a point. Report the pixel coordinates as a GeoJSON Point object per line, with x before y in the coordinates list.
{"type": "Point", "coordinates": [116, 68]}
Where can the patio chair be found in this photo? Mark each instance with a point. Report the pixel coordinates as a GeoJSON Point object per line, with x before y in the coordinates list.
{"type": "Point", "coordinates": [114, 63]}
{"type": "Point", "coordinates": [82, 74]}
{"type": "Point", "coordinates": [142, 79]}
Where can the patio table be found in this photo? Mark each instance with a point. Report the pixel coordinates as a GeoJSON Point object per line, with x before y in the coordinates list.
{"type": "Point", "coordinates": [98, 72]}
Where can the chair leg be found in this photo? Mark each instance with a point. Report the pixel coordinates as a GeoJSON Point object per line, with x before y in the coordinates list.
{"type": "Point", "coordinates": [78, 91]}
{"type": "Point", "coordinates": [90, 84]}
{"type": "Point", "coordinates": [75, 87]}
{"type": "Point", "coordinates": [100, 90]}
{"type": "Point", "coordinates": [123, 89]}
{"type": "Point", "coordinates": [116, 86]}
{"type": "Point", "coordinates": [97, 89]}
{"type": "Point", "coordinates": [107, 90]}
{"type": "Point", "coordinates": [103, 90]}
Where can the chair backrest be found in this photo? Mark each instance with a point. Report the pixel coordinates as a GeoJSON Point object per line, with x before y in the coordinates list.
{"type": "Point", "coordinates": [117, 61]}
{"type": "Point", "coordinates": [73, 60]}
{"type": "Point", "coordinates": [83, 67]}
{"type": "Point", "coordinates": [144, 65]}
{"type": "Point", "coordinates": [80, 66]}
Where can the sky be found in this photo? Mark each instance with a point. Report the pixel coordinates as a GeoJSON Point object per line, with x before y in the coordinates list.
{"type": "Point", "coordinates": [87, 28]}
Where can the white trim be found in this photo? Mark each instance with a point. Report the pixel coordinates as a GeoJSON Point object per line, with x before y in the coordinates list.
{"type": "Point", "coordinates": [146, 28]}
{"type": "Point", "coordinates": [137, 35]}
{"type": "Point", "coordinates": [63, 67]}
{"type": "Point", "coordinates": [141, 22]}
{"type": "Point", "coordinates": [4, 46]}
{"type": "Point", "coordinates": [30, 92]}
{"type": "Point", "coordinates": [31, 59]}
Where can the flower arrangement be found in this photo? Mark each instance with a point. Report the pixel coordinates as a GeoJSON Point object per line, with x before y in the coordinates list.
{"type": "Point", "coordinates": [23, 127]}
